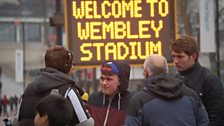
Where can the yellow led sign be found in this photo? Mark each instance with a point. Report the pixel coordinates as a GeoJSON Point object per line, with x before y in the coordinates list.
{"type": "Point", "coordinates": [130, 30]}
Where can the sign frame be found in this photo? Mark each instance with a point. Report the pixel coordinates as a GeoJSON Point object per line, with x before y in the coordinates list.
{"type": "Point", "coordinates": [72, 41]}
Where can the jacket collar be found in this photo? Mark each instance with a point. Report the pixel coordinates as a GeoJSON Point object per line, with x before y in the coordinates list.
{"type": "Point", "coordinates": [195, 67]}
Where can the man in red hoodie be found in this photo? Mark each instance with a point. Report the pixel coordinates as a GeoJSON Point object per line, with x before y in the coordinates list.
{"type": "Point", "coordinates": [108, 106]}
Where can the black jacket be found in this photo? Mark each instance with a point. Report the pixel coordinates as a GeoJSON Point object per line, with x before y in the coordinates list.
{"type": "Point", "coordinates": [209, 87]}
{"type": "Point", "coordinates": [166, 101]}
{"type": "Point", "coordinates": [48, 81]}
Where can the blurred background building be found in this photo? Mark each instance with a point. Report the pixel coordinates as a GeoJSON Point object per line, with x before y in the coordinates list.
{"type": "Point", "coordinates": [24, 28]}
{"type": "Point", "coordinates": [25, 33]}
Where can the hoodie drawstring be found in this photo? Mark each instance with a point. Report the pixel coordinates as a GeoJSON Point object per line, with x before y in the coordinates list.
{"type": "Point", "coordinates": [104, 97]}
{"type": "Point", "coordinates": [119, 101]}
{"type": "Point", "coordinates": [108, 109]}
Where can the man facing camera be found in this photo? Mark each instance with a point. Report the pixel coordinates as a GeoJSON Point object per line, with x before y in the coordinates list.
{"type": "Point", "coordinates": [108, 107]}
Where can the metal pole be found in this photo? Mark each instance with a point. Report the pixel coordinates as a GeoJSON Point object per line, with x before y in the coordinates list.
{"type": "Point", "coordinates": [217, 37]}
{"type": "Point", "coordinates": [58, 27]}
{"type": "Point", "coordinates": [24, 59]}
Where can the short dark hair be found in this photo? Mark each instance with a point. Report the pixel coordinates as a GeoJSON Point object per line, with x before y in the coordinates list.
{"type": "Point", "coordinates": [186, 44]}
{"type": "Point", "coordinates": [108, 73]}
{"type": "Point", "coordinates": [57, 108]}
{"type": "Point", "coordinates": [59, 58]}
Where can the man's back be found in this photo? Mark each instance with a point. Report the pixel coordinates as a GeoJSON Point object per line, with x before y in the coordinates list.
{"type": "Point", "coordinates": [48, 81]}
{"type": "Point", "coordinates": [165, 101]}
{"type": "Point", "coordinates": [30, 99]}
{"type": "Point", "coordinates": [58, 63]}
{"type": "Point", "coordinates": [172, 113]}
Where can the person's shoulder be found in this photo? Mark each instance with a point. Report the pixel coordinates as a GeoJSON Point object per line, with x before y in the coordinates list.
{"type": "Point", "coordinates": [138, 100]}
{"type": "Point", "coordinates": [190, 93]}
{"type": "Point", "coordinates": [96, 95]}
{"type": "Point", "coordinates": [96, 98]}
{"type": "Point", "coordinates": [208, 72]}
{"type": "Point", "coordinates": [28, 89]}
{"type": "Point", "coordinates": [127, 93]}
{"type": "Point", "coordinates": [210, 76]}
{"type": "Point", "coordinates": [143, 95]}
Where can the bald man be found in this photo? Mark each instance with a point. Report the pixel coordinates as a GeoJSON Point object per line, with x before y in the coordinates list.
{"type": "Point", "coordinates": [164, 100]}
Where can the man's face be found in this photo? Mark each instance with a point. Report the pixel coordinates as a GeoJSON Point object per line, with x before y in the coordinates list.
{"type": "Point", "coordinates": [182, 61]}
{"type": "Point", "coordinates": [109, 84]}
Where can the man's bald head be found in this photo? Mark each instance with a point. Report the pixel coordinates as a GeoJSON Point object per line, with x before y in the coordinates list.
{"type": "Point", "coordinates": [156, 64]}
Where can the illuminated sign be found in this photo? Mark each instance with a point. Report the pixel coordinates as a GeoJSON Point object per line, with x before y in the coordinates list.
{"type": "Point", "coordinates": [130, 30]}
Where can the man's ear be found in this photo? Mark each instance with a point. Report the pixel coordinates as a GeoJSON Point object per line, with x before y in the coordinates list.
{"type": "Point", "coordinates": [146, 74]}
{"type": "Point", "coordinates": [119, 81]}
{"type": "Point", "coordinates": [194, 56]}
{"type": "Point", "coordinates": [119, 84]}
{"type": "Point", "coordinates": [45, 119]}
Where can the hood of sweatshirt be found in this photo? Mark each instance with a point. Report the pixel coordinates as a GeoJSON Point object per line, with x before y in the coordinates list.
{"type": "Point", "coordinates": [165, 86]}
{"type": "Point", "coordinates": [124, 75]}
{"type": "Point", "coordinates": [48, 78]}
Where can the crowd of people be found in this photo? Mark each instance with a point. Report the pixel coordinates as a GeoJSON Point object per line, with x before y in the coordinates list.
{"type": "Point", "coordinates": [8, 104]}
{"type": "Point", "coordinates": [194, 97]}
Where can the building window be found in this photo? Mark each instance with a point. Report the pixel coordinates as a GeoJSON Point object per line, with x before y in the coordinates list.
{"type": "Point", "coordinates": [32, 32]}
{"type": "Point", "coordinates": [7, 32]}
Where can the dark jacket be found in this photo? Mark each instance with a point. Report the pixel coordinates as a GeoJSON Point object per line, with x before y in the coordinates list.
{"type": "Point", "coordinates": [99, 104]}
{"type": "Point", "coordinates": [209, 87]}
{"type": "Point", "coordinates": [165, 101]}
{"type": "Point", "coordinates": [48, 81]}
